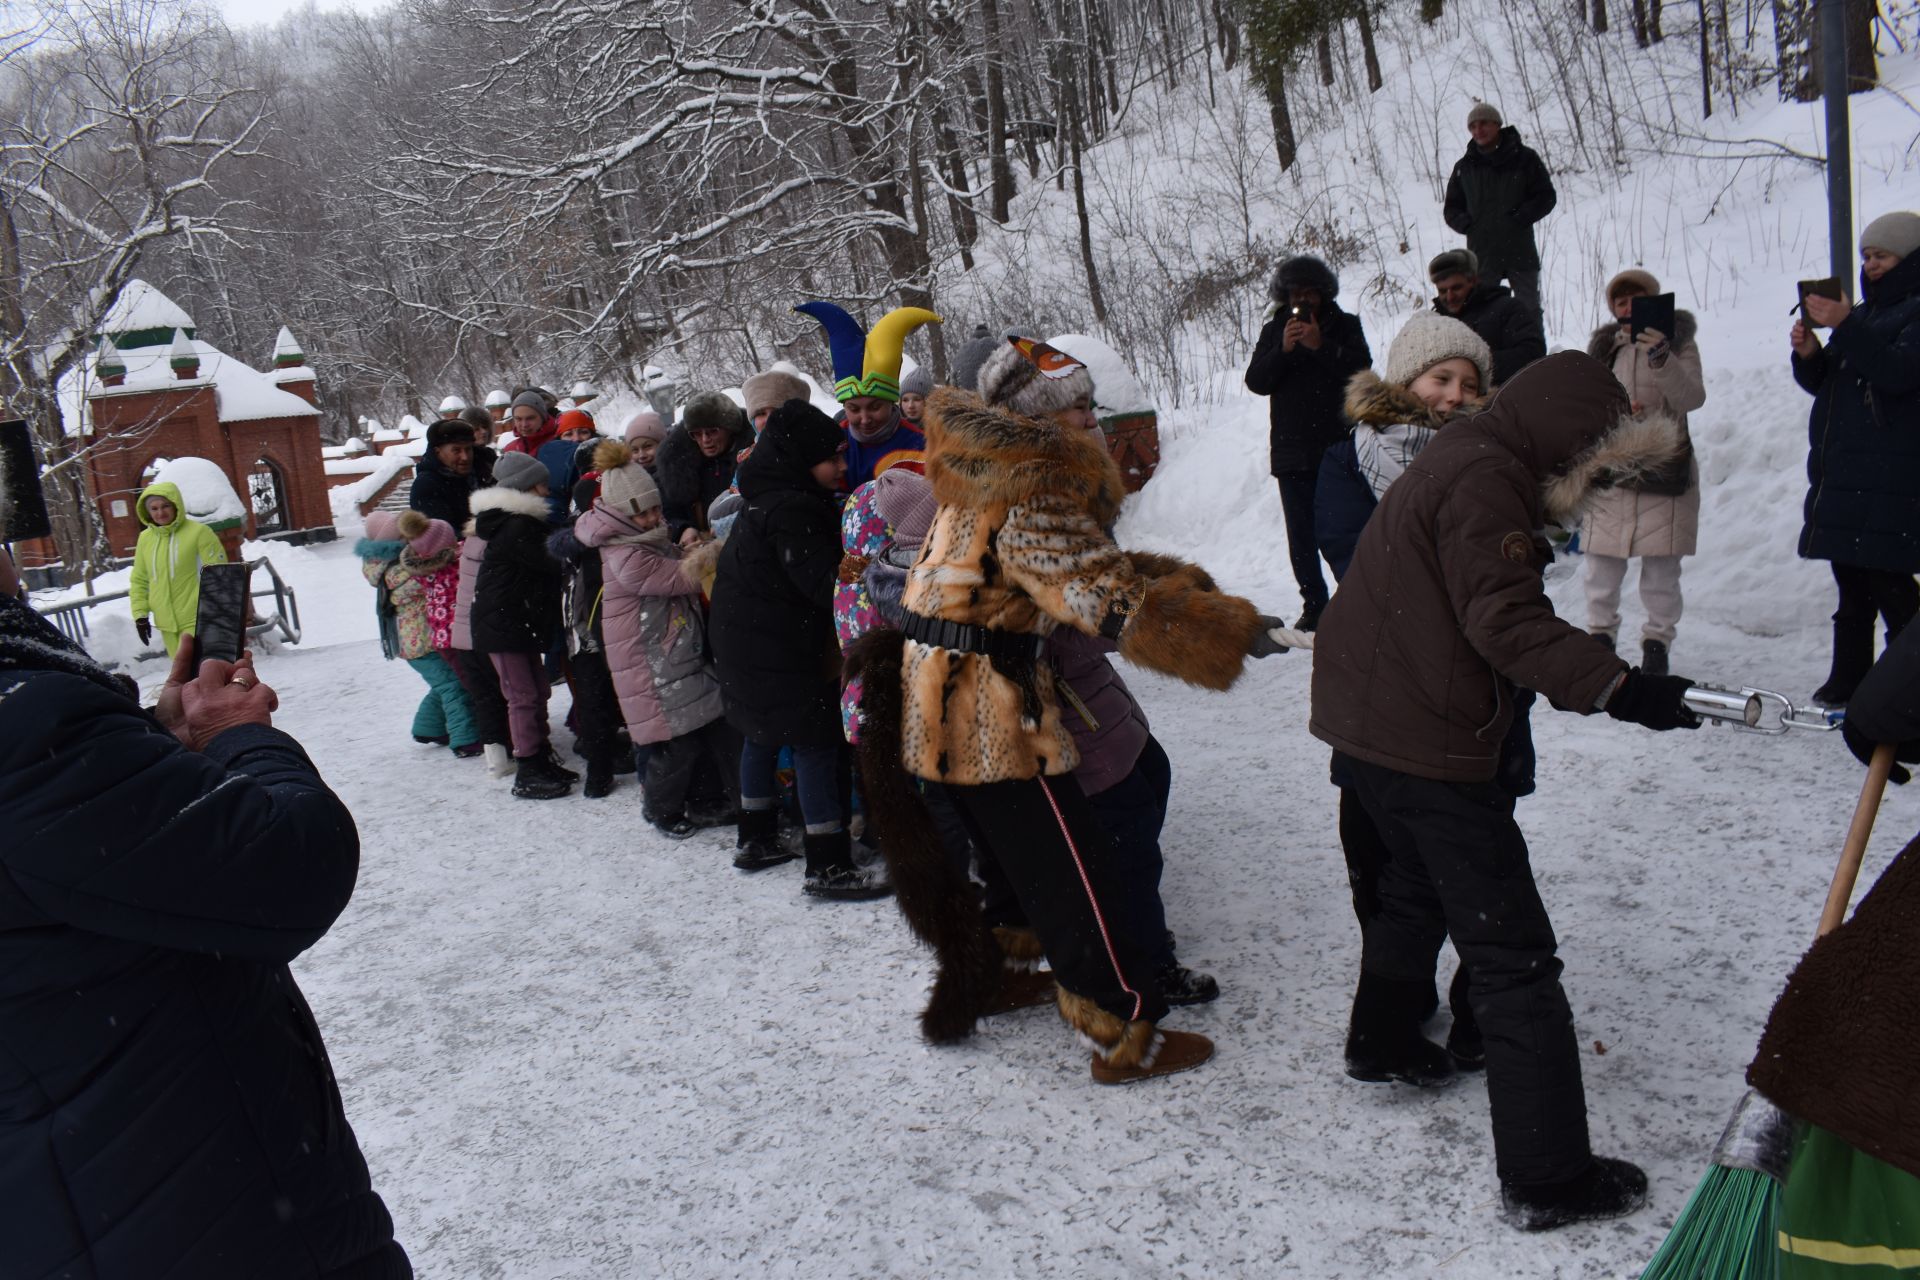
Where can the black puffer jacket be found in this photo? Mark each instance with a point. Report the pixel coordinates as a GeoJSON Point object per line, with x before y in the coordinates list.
{"type": "Point", "coordinates": [517, 595]}
{"type": "Point", "coordinates": [1863, 503]}
{"type": "Point", "coordinates": [439, 494]}
{"type": "Point", "coordinates": [1306, 386]}
{"type": "Point", "coordinates": [167, 1107]}
{"type": "Point", "coordinates": [690, 481]}
{"type": "Point", "coordinates": [1507, 325]}
{"type": "Point", "coordinates": [1494, 198]}
{"type": "Point", "coordinates": [772, 625]}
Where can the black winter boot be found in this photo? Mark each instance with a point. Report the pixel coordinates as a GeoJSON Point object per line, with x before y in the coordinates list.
{"type": "Point", "coordinates": [535, 778]}
{"type": "Point", "coordinates": [1383, 1038]}
{"type": "Point", "coordinates": [1653, 657]}
{"type": "Point", "coordinates": [1852, 656]}
{"type": "Point", "coordinates": [759, 841]}
{"type": "Point", "coordinates": [832, 875]}
{"type": "Point", "coordinates": [599, 779]}
{"type": "Point", "coordinates": [1309, 618]}
{"type": "Point", "coordinates": [1604, 637]}
{"type": "Point", "coordinates": [553, 759]}
{"type": "Point", "coordinates": [1182, 986]}
{"type": "Point", "coordinates": [1608, 1189]}
{"type": "Point", "coordinates": [1464, 1046]}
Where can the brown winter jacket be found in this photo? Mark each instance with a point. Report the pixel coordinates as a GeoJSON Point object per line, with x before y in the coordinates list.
{"type": "Point", "coordinates": [1838, 1049]}
{"type": "Point", "coordinates": [1441, 612]}
{"type": "Point", "coordinates": [1019, 544]}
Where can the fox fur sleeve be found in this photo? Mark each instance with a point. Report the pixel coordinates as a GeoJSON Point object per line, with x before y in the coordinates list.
{"type": "Point", "coordinates": [1057, 553]}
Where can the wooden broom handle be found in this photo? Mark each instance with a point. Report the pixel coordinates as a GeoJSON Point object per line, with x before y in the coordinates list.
{"type": "Point", "coordinates": [1840, 892]}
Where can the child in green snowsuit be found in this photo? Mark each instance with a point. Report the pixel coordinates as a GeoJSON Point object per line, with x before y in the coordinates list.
{"type": "Point", "coordinates": [166, 565]}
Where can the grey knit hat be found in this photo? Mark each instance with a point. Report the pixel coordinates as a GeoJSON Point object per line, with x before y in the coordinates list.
{"type": "Point", "coordinates": [1894, 233]}
{"type": "Point", "coordinates": [1010, 380]}
{"type": "Point", "coordinates": [532, 400]}
{"type": "Point", "coordinates": [917, 383]}
{"type": "Point", "coordinates": [519, 471]}
{"type": "Point", "coordinates": [1454, 262]}
{"type": "Point", "coordinates": [1483, 111]}
{"type": "Point", "coordinates": [1426, 340]}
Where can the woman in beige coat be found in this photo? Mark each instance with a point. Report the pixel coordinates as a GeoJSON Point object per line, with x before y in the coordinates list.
{"type": "Point", "coordinates": [1656, 518]}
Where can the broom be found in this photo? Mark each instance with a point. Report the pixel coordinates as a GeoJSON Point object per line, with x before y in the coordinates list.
{"type": "Point", "coordinates": [1728, 1229]}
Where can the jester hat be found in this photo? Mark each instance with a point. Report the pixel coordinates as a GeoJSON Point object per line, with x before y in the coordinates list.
{"type": "Point", "coordinates": [867, 363]}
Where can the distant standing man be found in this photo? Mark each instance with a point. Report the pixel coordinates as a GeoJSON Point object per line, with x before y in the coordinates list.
{"type": "Point", "coordinates": [1509, 327]}
{"type": "Point", "coordinates": [1307, 352]}
{"type": "Point", "coordinates": [1499, 189]}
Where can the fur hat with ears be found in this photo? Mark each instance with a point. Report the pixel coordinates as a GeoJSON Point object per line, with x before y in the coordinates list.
{"type": "Point", "coordinates": [1303, 271]}
{"type": "Point", "coordinates": [771, 388]}
{"type": "Point", "coordinates": [1032, 378]}
{"type": "Point", "coordinates": [1454, 262]}
{"type": "Point", "coordinates": [712, 409]}
{"type": "Point", "coordinates": [479, 419]}
{"type": "Point", "coordinates": [425, 537]}
{"type": "Point", "coordinates": [1427, 339]}
{"type": "Point", "coordinates": [449, 431]}
{"type": "Point", "coordinates": [519, 472]}
{"type": "Point", "coordinates": [1895, 233]}
{"type": "Point", "coordinates": [1483, 111]}
{"type": "Point", "coordinates": [1635, 279]}
{"type": "Point", "coordinates": [625, 487]}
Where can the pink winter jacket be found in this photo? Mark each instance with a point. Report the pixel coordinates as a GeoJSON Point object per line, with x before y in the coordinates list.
{"type": "Point", "coordinates": [473, 549]}
{"type": "Point", "coordinates": [655, 631]}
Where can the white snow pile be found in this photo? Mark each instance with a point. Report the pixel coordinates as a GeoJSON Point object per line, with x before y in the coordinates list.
{"type": "Point", "coordinates": [380, 468]}
{"type": "Point", "coordinates": [1115, 388]}
{"type": "Point", "coordinates": [205, 488]}
{"type": "Point", "coordinates": [140, 306]}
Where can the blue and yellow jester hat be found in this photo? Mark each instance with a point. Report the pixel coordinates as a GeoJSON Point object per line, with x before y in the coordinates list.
{"type": "Point", "coordinates": [867, 364]}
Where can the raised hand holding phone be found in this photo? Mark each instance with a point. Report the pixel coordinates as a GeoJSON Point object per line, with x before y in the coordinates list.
{"type": "Point", "coordinates": [220, 620]}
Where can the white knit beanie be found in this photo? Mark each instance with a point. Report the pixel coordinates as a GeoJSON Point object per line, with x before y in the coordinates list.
{"type": "Point", "coordinates": [625, 487]}
{"type": "Point", "coordinates": [1426, 340]}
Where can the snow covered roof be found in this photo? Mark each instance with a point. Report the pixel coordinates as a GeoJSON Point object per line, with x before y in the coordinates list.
{"type": "Point", "coordinates": [452, 404]}
{"type": "Point", "coordinates": [299, 373]}
{"type": "Point", "coordinates": [241, 393]}
{"type": "Point", "coordinates": [204, 485]}
{"type": "Point", "coordinates": [497, 397]}
{"type": "Point", "coordinates": [583, 390]}
{"type": "Point", "coordinates": [285, 345]}
{"type": "Point", "coordinates": [1115, 389]}
{"type": "Point", "coordinates": [412, 427]}
{"type": "Point", "coordinates": [142, 309]}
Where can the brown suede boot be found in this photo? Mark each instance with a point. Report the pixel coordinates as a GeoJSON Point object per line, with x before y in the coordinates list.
{"type": "Point", "coordinates": [1124, 1051]}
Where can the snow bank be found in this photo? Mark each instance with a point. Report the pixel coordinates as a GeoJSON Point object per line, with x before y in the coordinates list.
{"type": "Point", "coordinates": [1115, 388]}
{"type": "Point", "coordinates": [346, 499]}
{"type": "Point", "coordinates": [205, 487]}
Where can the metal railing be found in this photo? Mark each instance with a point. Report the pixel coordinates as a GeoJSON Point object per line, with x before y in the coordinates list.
{"type": "Point", "coordinates": [71, 615]}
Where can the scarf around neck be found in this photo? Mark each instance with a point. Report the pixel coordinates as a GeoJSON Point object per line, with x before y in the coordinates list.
{"type": "Point", "coordinates": [1384, 452]}
{"type": "Point", "coordinates": [882, 433]}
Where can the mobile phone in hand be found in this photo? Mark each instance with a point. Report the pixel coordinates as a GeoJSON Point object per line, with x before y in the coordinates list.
{"type": "Point", "coordinates": [1655, 313]}
{"type": "Point", "coordinates": [220, 625]}
{"type": "Point", "coordinates": [1825, 288]}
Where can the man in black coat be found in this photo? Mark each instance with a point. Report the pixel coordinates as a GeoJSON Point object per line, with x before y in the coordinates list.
{"type": "Point", "coordinates": [1308, 350]}
{"type": "Point", "coordinates": [697, 460]}
{"type": "Point", "coordinates": [1507, 325]}
{"type": "Point", "coordinates": [447, 474]}
{"type": "Point", "coordinates": [1498, 190]}
{"type": "Point", "coordinates": [166, 1103]}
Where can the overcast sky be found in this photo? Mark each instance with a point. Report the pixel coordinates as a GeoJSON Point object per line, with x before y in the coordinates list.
{"type": "Point", "coordinates": [254, 13]}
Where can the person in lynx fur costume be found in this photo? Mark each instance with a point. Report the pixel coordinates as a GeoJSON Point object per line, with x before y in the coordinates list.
{"type": "Point", "coordinates": [1019, 547]}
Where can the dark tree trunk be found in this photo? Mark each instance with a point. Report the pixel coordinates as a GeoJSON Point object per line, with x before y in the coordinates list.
{"type": "Point", "coordinates": [1706, 62]}
{"type": "Point", "coordinates": [1600, 16]}
{"type": "Point", "coordinates": [1075, 142]}
{"type": "Point", "coordinates": [1637, 12]}
{"type": "Point", "coordinates": [999, 167]}
{"type": "Point", "coordinates": [1654, 32]}
{"type": "Point", "coordinates": [1323, 48]}
{"type": "Point", "coordinates": [1430, 11]}
{"type": "Point", "coordinates": [1283, 138]}
{"type": "Point", "coordinates": [1371, 54]}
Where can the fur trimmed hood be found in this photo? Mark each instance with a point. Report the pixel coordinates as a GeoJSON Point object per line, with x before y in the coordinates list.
{"type": "Point", "coordinates": [1372, 401]}
{"type": "Point", "coordinates": [978, 456]}
{"type": "Point", "coordinates": [1604, 341]}
{"type": "Point", "coordinates": [512, 501]}
{"type": "Point", "coordinates": [1635, 450]}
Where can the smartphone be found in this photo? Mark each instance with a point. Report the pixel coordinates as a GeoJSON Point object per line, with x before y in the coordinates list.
{"type": "Point", "coordinates": [1827, 288]}
{"type": "Point", "coordinates": [1654, 313]}
{"type": "Point", "coordinates": [220, 625]}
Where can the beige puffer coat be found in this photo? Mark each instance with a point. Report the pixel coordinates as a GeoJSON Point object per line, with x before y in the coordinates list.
{"type": "Point", "coordinates": [1626, 522]}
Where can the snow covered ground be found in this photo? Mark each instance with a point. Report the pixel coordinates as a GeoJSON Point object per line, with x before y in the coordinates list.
{"type": "Point", "coordinates": [572, 1048]}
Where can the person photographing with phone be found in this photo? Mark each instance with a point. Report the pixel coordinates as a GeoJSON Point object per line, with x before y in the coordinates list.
{"type": "Point", "coordinates": [1308, 350]}
{"type": "Point", "coordinates": [1863, 466]}
{"type": "Point", "coordinates": [166, 565]}
{"type": "Point", "coordinates": [171, 1108]}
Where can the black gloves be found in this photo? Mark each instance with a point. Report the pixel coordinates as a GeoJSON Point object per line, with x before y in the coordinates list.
{"type": "Point", "coordinates": [1262, 645]}
{"type": "Point", "coordinates": [1863, 752]}
{"type": "Point", "coordinates": [145, 627]}
{"type": "Point", "coordinates": [1653, 701]}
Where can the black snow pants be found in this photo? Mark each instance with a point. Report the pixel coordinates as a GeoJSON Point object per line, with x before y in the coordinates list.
{"type": "Point", "coordinates": [673, 765]}
{"type": "Point", "coordinates": [1058, 859]}
{"type": "Point", "coordinates": [1457, 864]}
{"type": "Point", "coordinates": [482, 684]}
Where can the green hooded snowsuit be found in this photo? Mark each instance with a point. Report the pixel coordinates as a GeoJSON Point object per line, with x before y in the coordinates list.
{"type": "Point", "coordinates": [166, 565]}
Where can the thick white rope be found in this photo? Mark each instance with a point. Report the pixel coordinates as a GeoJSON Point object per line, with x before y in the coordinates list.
{"type": "Point", "coordinates": [1291, 638]}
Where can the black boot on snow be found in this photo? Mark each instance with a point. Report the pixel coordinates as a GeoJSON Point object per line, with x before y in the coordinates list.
{"type": "Point", "coordinates": [1182, 986]}
{"type": "Point", "coordinates": [1653, 657]}
{"type": "Point", "coordinates": [536, 779]}
{"type": "Point", "coordinates": [1464, 1046]}
{"type": "Point", "coordinates": [759, 841]}
{"type": "Point", "coordinates": [1309, 616]}
{"type": "Point", "coordinates": [1852, 657]}
{"type": "Point", "coordinates": [1608, 1189]}
{"type": "Point", "coordinates": [713, 813]}
{"type": "Point", "coordinates": [675, 828]}
{"type": "Point", "coordinates": [599, 779]}
{"type": "Point", "coordinates": [1604, 637]}
{"type": "Point", "coordinates": [1383, 1038]}
{"type": "Point", "coordinates": [832, 875]}
{"type": "Point", "coordinates": [553, 761]}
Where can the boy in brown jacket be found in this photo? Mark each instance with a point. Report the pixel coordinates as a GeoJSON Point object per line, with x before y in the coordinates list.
{"type": "Point", "coordinates": [1439, 618]}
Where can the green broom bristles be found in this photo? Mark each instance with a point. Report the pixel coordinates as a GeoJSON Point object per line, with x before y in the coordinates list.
{"type": "Point", "coordinates": [1726, 1232]}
